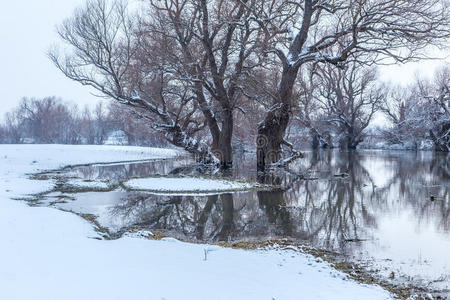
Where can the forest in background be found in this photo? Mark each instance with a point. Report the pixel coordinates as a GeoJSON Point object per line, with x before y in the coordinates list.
{"type": "Point", "coordinates": [335, 108]}
{"type": "Point", "coordinates": [51, 120]}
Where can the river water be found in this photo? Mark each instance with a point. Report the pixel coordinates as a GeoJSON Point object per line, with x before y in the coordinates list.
{"type": "Point", "coordinates": [386, 210]}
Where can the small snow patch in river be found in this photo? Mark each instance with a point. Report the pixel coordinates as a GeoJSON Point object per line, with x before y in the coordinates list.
{"type": "Point", "coordinates": [186, 185]}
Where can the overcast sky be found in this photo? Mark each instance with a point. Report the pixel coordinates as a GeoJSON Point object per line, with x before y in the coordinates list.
{"type": "Point", "coordinates": [27, 30]}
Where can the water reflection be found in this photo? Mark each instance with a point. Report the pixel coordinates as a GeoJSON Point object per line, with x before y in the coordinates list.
{"type": "Point", "coordinates": [366, 205]}
{"type": "Point", "coordinates": [115, 173]}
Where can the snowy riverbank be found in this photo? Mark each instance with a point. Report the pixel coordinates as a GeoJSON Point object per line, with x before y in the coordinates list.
{"type": "Point", "coordinates": [50, 254]}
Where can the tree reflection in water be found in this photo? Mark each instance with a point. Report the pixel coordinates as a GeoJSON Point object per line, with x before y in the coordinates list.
{"type": "Point", "coordinates": [337, 213]}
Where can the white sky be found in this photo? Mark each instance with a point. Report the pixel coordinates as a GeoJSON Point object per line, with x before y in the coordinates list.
{"type": "Point", "coordinates": [404, 74]}
{"type": "Point", "coordinates": [27, 30]}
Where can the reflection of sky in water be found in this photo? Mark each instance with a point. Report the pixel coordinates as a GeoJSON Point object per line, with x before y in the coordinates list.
{"type": "Point", "coordinates": [419, 248]}
{"type": "Point", "coordinates": [380, 213]}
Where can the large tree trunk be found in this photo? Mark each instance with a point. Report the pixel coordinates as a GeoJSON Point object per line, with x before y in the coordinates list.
{"type": "Point", "coordinates": [270, 136]}
{"type": "Point", "coordinates": [222, 147]}
{"type": "Point", "coordinates": [315, 144]}
{"type": "Point", "coordinates": [354, 138]}
{"type": "Point", "coordinates": [317, 140]}
{"type": "Point", "coordinates": [351, 139]}
{"type": "Point", "coordinates": [272, 129]}
{"type": "Point", "coordinates": [221, 137]}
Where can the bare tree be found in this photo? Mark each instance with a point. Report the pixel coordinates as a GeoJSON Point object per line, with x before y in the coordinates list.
{"type": "Point", "coordinates": [420, 112]}
{"type": "Point", "coordinates": [181, 66]}
{"type": "Point", "coordinates": [308, 111]}
{"type": "Point", "coordinates": [3, 134]}
{"type": "Point", "coordinates": [209, 46]}
{"type": "Point", "coordinates": [440, 111]}
{"type": "Point", "coordinates": [102, 122]}
{"type": "Point", "coordinates": [13, 128]}
{"type": "Point", "coordinates": [51, 120]}
{"type": "Point", "coordinates": [330, 32]}
{"type": "Point", "coordinates": [349, 97]}
{"type": "Point", "coordinates": [87, 126]}
{"type": "Point", "coordinates": [46, 120]}
{"type": "Point", "coordinates": [104, 52]}
{"type": "Point", "coordinates": [404, 109]}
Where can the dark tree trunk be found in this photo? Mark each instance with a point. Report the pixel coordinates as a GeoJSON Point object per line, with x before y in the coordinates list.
{"type": "Point", "coordinates": [222, 147]}
{"type": "Point", "coordinates": [270, 137]}
{"type": "Point", "coordinates": [351, 142]}
{"type": "Point", "coordinates": [221, 137]}
{"type": "Point", "coordinates": [352, 138]}
{"type": "Point", "coordinates": [317, 140]}
{"type": "Point", "coordinates": [272, 129]}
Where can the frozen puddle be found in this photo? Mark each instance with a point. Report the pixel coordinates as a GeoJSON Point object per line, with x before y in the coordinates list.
{"type": "Point", "coordinates": [186, 185]}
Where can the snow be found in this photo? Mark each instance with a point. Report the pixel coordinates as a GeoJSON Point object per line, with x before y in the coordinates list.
{"type": "Point", "coordinates": [185, 185]}
{"type": "Point", "coordinates": [49, 254]}
{"type": "Point", "coordinates": [83, 184]}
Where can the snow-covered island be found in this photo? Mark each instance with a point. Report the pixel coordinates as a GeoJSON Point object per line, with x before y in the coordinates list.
{"type": "Point", "coordinates": [187, 185]}
{"type": "Point", "coordinates": [51, 254]}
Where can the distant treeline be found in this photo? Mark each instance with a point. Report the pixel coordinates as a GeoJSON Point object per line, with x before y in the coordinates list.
{"type": "Point", "coordinates": [51, 120]}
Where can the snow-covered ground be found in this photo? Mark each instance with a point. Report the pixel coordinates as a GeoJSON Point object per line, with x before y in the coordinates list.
{"type": "Point", "coordinates": [49, 254]}
{"type": "Point", "coordinates": [185, 185]}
